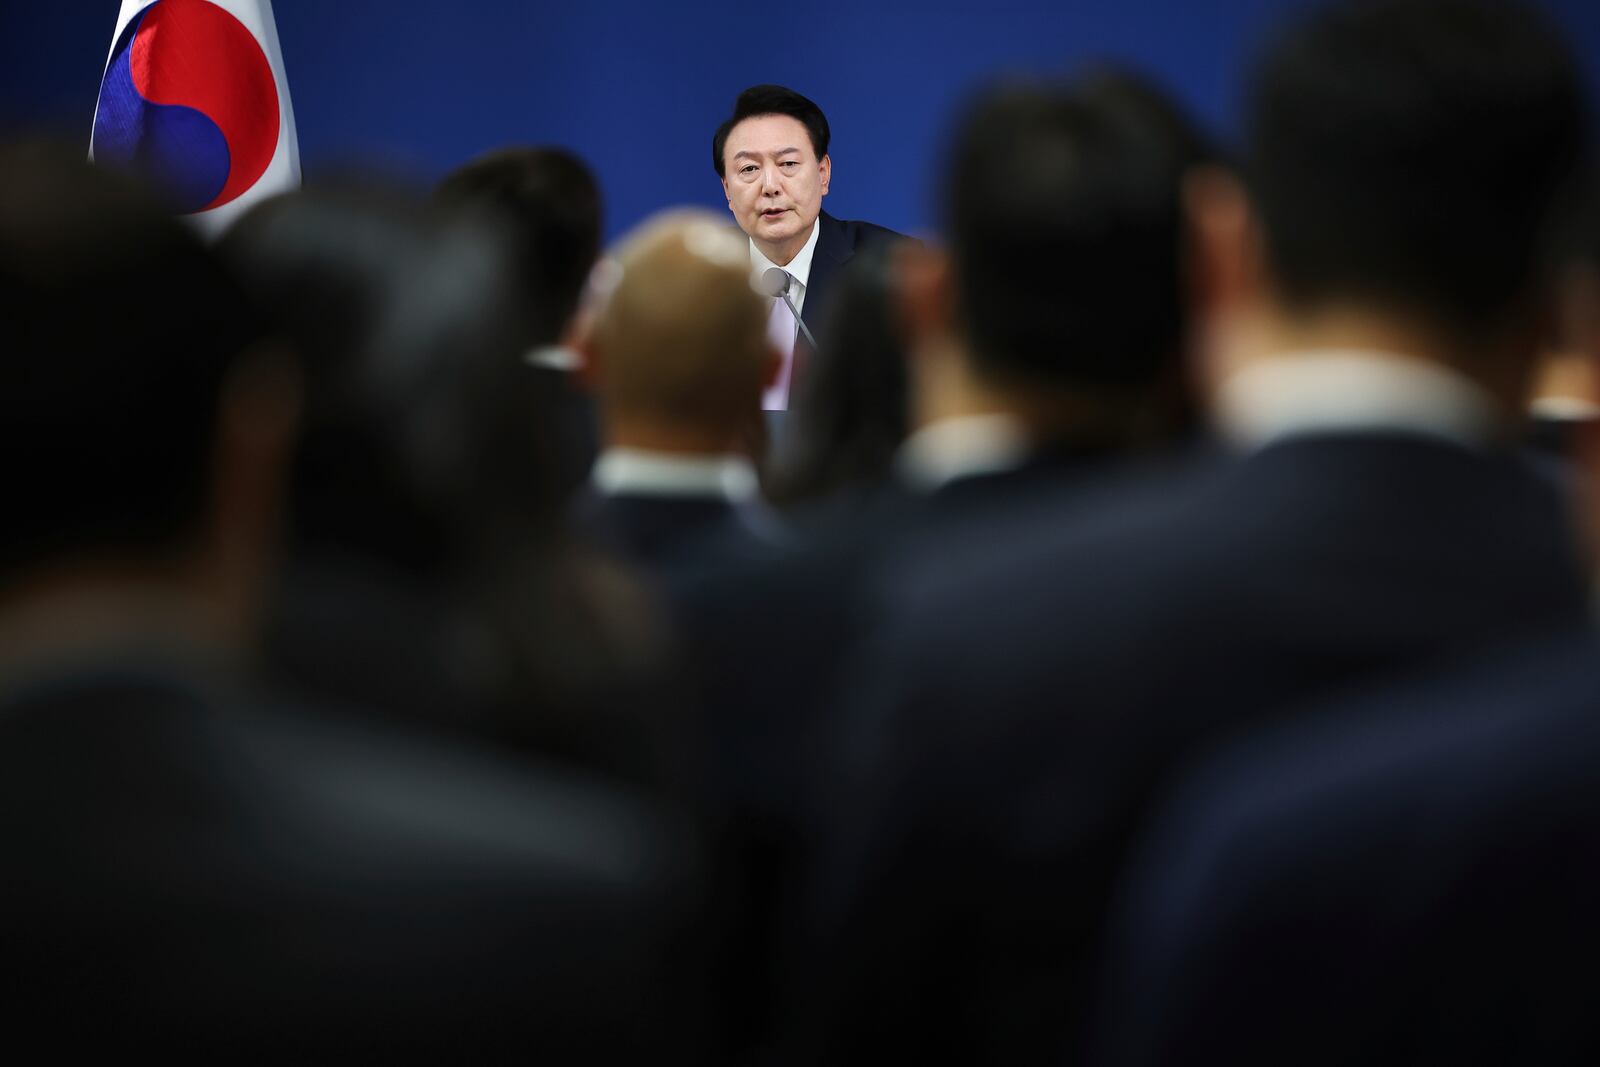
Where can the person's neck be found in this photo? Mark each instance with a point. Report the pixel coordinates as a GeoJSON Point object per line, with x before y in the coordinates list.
{"type": "Point", "coordinates": [671, 438]}
{"type": "Point", "coordinates": [783, 254]}
{"type": "Point", "coordinates": [946, 387]}
{"type": "Point", "coordinates": [1501, 364]}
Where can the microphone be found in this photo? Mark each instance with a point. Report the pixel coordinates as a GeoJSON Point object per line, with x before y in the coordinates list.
{"type": "Point", "coordinates": [775, 281]}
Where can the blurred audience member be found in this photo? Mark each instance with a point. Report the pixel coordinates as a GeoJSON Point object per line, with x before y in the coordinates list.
{"type": "Point", "coordinates": [188, 870]}
{"type": "Point", "coordinates": [679, 354]}
{"type": "Point", "coordinates": [1417, 888]}
{"type": "Point", "coordinates": [1379, 280]}
{"type": "Point", "coordinates": [547, 202]}
{"type": "Point", "coordinates": [429, 573]}
{"type": "Point", "coordinates": [848, 415]}
{"type": "Point", "coordinates": [1052, 331]}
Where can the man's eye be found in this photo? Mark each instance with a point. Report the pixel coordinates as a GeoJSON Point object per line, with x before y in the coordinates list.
{"type": "Point", "coordinates": [790, 163]}
{"type": "Point", "coordinates": [747, 170]}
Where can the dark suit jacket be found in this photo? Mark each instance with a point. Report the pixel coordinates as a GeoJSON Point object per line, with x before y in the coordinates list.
{"type": "Point", "coordinates": [774, 651]}
{"type": "Point", "coordinates": [188, 873]}
{"type": "Point", "coordinates": [837, 241]}
{"type": "Point", "coordinates": [674, 539]}
{"type": "Point", "coordinates": [1041, 674]}
{"type": "Point", "coordinates": [1411, 879]}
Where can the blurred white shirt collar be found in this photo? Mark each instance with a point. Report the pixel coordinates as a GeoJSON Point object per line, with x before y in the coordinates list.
{"type": "Point", "coordinates": [553, 357]}
{"type": "Point", "coordinates": [1352, 391]}
{"type": "Point", "coordinates": [944, 451]}
{"type": "Point", "coordinates": [640, 472]}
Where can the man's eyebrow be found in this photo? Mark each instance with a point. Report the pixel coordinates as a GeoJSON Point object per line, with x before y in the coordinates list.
{"type": "Point", "coordinates": [757, 155]}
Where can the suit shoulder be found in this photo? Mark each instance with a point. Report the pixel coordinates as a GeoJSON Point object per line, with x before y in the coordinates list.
{"type": "Point", "coordinates": [854, 233]}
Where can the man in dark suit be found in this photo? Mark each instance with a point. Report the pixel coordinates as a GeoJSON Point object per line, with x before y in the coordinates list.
{"type": "Point", "coordinates": [772, 157]}
{"type": "Point", "coordinates": [188, 869]}
{"type": "Point", "coordinates": [1040, 675]}
{"type": "Point", "coordinates": [679, 355]}
{"type": "Point", "coordinates": [1406, 877]}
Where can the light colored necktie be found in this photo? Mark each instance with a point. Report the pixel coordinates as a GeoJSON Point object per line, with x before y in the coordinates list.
{"type": "Point", "coordinates": [781, 330]}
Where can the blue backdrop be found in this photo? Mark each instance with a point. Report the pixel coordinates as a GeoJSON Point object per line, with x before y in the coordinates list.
{"type": "Point", "coordinates": [637, 88]}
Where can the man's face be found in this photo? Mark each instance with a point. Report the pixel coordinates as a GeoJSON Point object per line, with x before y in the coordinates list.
{"type": "Point", "coordinates": [774, 181]}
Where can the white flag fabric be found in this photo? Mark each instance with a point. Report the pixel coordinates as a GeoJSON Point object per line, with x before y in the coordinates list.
{"type": "Point", "coordinates": [194, 96]}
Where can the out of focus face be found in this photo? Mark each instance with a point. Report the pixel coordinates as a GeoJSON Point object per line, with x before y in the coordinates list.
{"type": "Point", "coordinates": [774, 183]}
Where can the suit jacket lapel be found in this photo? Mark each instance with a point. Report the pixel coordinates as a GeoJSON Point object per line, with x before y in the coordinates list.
{"type": "Point", "coordinates": [833, 250]}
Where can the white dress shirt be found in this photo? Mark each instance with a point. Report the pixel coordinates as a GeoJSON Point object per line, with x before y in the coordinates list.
{"type": "Point", "coordinates": [1350, 390]}
{"type": "Point", "coordinates": [782, 326]}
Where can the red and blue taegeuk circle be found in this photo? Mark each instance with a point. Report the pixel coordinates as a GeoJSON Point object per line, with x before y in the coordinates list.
{"type": "Point", "coordinates": [189, 99]}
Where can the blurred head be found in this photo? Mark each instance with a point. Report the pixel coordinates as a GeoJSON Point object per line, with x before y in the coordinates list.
{"type": "Point", "coordinates": [849, 414]}
{"type": "Point", "coordinates": [548, 202]}
{"type": "Point", "coordinates": [132, 425]}
{"type": "Point", "coordinates": [679, 344]}
{"type": "Point", "coordinates": [772, 157]}
{"type": "Point", "coordinates": [1064, 274]}
{"type": "Point", "coordinates": [421, 434]}
{"type": "Point", "coordinates": [1407, 158]}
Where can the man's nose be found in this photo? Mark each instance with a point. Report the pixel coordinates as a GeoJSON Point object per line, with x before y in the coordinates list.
{"type": "Point", "coordinates": [769, 180]}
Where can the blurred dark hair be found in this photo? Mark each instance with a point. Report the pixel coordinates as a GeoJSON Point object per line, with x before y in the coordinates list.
{"type": "Point", "coordinates": [770, 100]}
{"type": "Point", "coordinates": [121, 329]}
{"type": "Point", "coordinates": [549, 203]}
{"type": "Point", "coordinates": [1411, 153]}
{"type": "Point", "coordinates": [849, 413]}
{"type": "Point", "coordinates": [406, 326]}
{"type": "Point", "coordinates": [430, 575]}
{"type": "Point", "coordinates": [1062, 206]}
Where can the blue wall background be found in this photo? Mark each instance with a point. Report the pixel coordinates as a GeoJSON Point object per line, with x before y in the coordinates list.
{"type": "Point", "coordinates": [637, 87]}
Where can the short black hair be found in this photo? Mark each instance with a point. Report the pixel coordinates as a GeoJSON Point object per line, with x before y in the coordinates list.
{"type": "Point", "coordinates": [120, 330]}
{"type": "Point", "coordinates": [1413, 153]}
{"type": "Point", "coordinates": [771, 100]}
{"type": "Point", "coordinates": [549, 201]}
{"type": "Point", "coordinates": [1062, 207]}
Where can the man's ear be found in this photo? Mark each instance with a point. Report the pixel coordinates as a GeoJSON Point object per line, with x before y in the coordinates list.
{"type": "Point", "coordinates": [1226, 265]}
{"type": "Point", "coordinates": [825, 171]}
{"type": "Point", "coordinates": [924, 291]}
{"type": "Point", "coordinates": [725, 194]}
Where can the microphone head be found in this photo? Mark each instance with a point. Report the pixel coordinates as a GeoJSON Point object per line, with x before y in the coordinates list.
{"type": "Point", "coordinates": [775, 281]}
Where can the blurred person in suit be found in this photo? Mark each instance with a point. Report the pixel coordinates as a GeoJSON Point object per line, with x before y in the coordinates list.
{"type": "Point", "coordinates": [679, 355]}
{"type": "Point", "coordinates": [429, 573]}
{"type": "Point", "coordinates": [548, 202]}
{"type": "Point", "coordinates": [192, 869]}
{"type": "Point", "coordinates": [1035, 684]}
{"type": "Point", "coordinates": [1405, 875]}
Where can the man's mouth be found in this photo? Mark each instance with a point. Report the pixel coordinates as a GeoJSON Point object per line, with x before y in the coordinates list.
{"type": "Point", "coordinates": [774, 212]}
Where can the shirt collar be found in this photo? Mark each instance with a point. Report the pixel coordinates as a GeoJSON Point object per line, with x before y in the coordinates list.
{"type": "Point", "coordinates": [1352, 391]}
{"type": "Point", "coordinates": [641, 472]}
{"type": "Point", "coordinates": [961, 447]}
{"type": "Point", "coordinates": [799, 267]}
{"type": "Point", "coordinates": [553, 357]}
